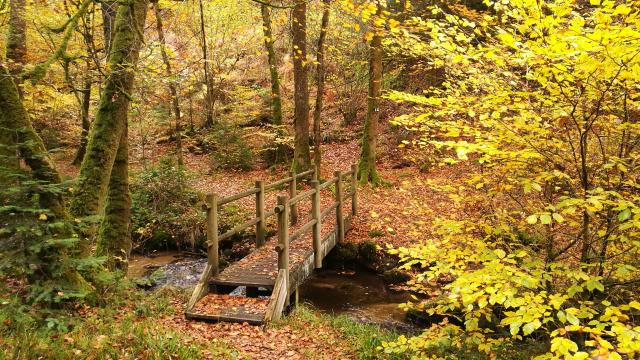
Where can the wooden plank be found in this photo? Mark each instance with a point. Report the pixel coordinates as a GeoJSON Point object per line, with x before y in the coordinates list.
{"type": "Point", "coordinates": [253, 319]}
{"type": "Point", "coordinates": [247, 281]}
{"type": "Point", "coordinates": [277, 299]}
{"type": "Point", "coordinates": [201, 289]}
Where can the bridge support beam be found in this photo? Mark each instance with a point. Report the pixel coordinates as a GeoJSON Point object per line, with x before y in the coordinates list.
{"type": "Point", "coordinates": [261, 225]}
{"type": "Point", "coordinates": [293, 189]}
{"type": "Point", "coordinates": [212, 233]}
{"type": "Point", "coordinates": [283, 237]}
{"type": "Point", "coordinates": [339, 200]}
{"type": "Point", "coordinates": [354, 188]}
{"type": "Point", "coordinates": [317, 227]}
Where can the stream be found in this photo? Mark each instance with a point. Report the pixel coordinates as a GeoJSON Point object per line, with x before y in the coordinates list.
{"type": "Point", "coordinates": [360, 294]}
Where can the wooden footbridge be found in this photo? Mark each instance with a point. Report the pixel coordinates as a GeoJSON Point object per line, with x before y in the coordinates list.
{"type": "Point", "coordinates": [309, 224]}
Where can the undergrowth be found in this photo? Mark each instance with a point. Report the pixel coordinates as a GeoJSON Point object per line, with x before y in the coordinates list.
{"type": "Point", "coordinates": [127, 328]}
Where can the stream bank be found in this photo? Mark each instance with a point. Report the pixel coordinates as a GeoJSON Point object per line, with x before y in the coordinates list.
{"type": "Point", "coordinates": [349, 289]}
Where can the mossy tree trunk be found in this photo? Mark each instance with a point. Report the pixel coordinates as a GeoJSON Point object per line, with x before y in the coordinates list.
{"type": "Point", "coordinates": [16, 126]}
{"type": "Point", "coordinates": [114, 237]}
{"type": "Point", "coordinates": [111, 118]}
{"type": "Point", "coordinates": [109, 9]}
{"type": "Point", "coordinates": [84, 116]}
{"type": "Point", "coordinates": [302, 156]}
{"type": "Point", "coordinates": [367, 172]}
{"type": "Point", "coordinates": [276, 101]}
{"type": "Point", "coordinates": [320, 77]}
{"type": "Point", "coordinates": [17, 38]}
{"type": "Point", "coordinates": [173, 90]}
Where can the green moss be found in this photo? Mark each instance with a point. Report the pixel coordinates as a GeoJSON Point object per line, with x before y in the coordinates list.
{"type": "Point", "coordinates": [111, 118]}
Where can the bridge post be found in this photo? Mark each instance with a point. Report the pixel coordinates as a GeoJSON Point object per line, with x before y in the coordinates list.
{"type": "Point", "coordinates": [212, 233]}
{"type": "Point", "coordinates": [261, 225]}
{"type": "Point", "coordinates": [293, 189]}
{"type": "Point", "coordinates": [283, 237]}
{"type": "Point", "coordinates": [354, 188]}
{"type": "Point", "coordinates": [339, 215]}
{"type": "Point", "coordinates": [315, 214]}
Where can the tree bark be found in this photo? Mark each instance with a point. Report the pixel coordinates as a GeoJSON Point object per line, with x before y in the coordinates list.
{"type": "Point", "coordinates": [84, 116]}
{"type": "Point", "coordinates": [276, 101]}
{"type": "Point", "coordinates": [109, 9]}
{"type": "Point", "coordinates": [175, 103]}
{"type": "Point", "coordinates": [111, 118]}
{"type": "Point", "coordinates": [207, 77]}
{"type": "Point", "coordinates": [17, 37]}
{"type": "Point", "coordinates": [320, 77]}
{"type": "Point", "coordinates": [302, 157]}
{"type": "Point", "coordinates": [367, 167]}
{"type": "Point", "coordinates": [16, 126]}
{"type": "Point", "coordinates": [114, 236]}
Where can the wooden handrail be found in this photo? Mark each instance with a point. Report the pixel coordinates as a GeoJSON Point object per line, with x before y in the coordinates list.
{"type": "Point", "coordinates": [237, 196]}
{"type": "Point", "coordinates": [304, 228]}
{"type": "Point", "coordinates": [239, 228]}
{"type": "Point", "coordinates": [301, 196]}
{"type": "Point", "coordinates": [328, 210]}
{"type": "Point", "coordinates": [328, 183]}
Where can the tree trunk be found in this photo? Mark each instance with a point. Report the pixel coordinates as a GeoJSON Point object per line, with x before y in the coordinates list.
{"type": "Point", "coordinates": [84, 116]}
{"type": "Point", "coordinates": [114, 237]}
{"type": "Point", "coordinates": [320, 77]}
{"type": "Point", "coordinates": [302, 157]}
{"type": "Point", "coordinates": [17, 39]}
{"type": "Point", "coordinates": [276, 101]}
{"type": "Point", "coordinates": [108, 23]}
{"type": "Point", "coordinates": [175, 103]}
{"type": "Point", "coordinates": [111, 118]}
{"type": "Point", "coordinates": [367, 168]}
{"type": "Point", "coordinates": [207, 79]}
{"type": "Point", "coordinates": [16, 126]}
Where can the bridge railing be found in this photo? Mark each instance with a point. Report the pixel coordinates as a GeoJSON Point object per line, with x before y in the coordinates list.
{"type": "Point", "coordinates": [287, 205]}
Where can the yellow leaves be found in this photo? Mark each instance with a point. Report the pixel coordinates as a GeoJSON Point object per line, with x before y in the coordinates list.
{"type": "Point", "coordinates": [42, 217]}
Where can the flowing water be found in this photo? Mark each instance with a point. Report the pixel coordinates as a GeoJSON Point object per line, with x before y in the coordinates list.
{"type": "Point", "coordinates": [360, 294]}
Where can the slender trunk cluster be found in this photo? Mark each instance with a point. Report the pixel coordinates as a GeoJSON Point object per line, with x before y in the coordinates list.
{"type": "Point", "coordinates": [276, 102]}
{"type": "Point", "coordinates": [207, 76]}
{"type": "Point", "coordinates": [173, 90]}
{"type": "Point", "coordinates": [367, 172]}
{"type": "Point", "coordinates": [302, 156]}
{"type": "Point", "coordinates": [320, 77]}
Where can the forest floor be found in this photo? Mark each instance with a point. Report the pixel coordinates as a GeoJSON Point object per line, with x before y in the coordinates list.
{"type": "Point", "coordinates": [397, 213]}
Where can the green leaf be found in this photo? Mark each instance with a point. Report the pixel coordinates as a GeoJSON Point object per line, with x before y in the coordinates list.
{"type": "Point", "coordinates": [545, 219]}
{"type": "Point", "coordinates": [624, 214]}
{"type": "Point", "coordinates": [528, 328]}
{"type": "Point", "coordinates": [532, 219]}
{"type": "Point", "coordinates": [572, 319]}
{"type": "Point", "coordinates": [500, 253]}
{"type": "Point", "coordinates": [562, 316]}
